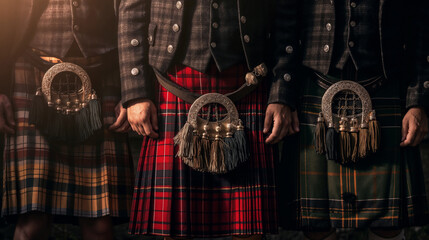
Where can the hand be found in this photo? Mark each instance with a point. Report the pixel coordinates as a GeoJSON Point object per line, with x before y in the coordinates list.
{"type": "Point", "coordinates": [121, 124]}
{"type": "Point", "coordinates": [285, 122]}
{"type": "Point", "coordinates": [7, 122]}
{"type": "Point", "coordinates": [414, 127]}
{"type": "Point", "coordinates": [143, 118]}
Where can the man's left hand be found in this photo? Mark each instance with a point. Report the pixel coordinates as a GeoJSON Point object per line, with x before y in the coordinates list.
{"type": "Point", "coordinates": [414, 127]}
{"type": "Point", "coordinates": [281, 121]}
{"type": "Point", "coordinates": [121, 124]}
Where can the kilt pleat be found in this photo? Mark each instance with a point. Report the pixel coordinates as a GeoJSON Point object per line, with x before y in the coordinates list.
{"type": "Point", "coordinates": [171, 199]}
{"type": "Point", "coordinates": [388, 185]}
{"type": "Point", "coordinates": [91, 180]}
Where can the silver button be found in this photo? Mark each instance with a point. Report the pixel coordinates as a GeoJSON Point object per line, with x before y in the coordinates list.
{"type": "Point", "coordinates": [332, 2]}
{"type": "Point", "coordinates": [326, 48]}
{"type": "Point", "coordinates": [351, 44]}
{"type": "Point", "coordinates": [76, 27]}
{"type": "Point", "coordinates": [215, 5]}
{"type": "Point", "coordinates": [329, 26]}
{"type": "Point", "coordinates": [352, 23]}
{"type": "Point", "coordinates": [179, 5]}
{"type": "Point", "coordinates": [135, 71]}
{"type": "Point", "coordinates": [289, 49]}
{"type": "Point", "coordinates": [246, 38]}
{"type": "Point", "coordinates": [287, 77]}
{"type": "Point", "coordinates": [150, 38]}
{"type": "Point", "coordinates": [135, 42]}
{"type": "Point", "coordinates": [243, 19]}
{"type": "Point", "coordinates": [170, 48]}
{"type": "Point", "coordinates": [426, 84]}
{"type": "Point", "coordinates": [176, 28]}
{"type": "Point", "coordinates": [215, 25]}
{"type": "Point", "coordinates": [353, 4]}
{"type": "Point", "coordinates": [75, 3]}
{"type": "Point", "coordinates": [213, 44]}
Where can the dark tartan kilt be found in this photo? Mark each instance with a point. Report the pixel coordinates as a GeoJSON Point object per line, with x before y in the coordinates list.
{"type": "Point", "coordinates": [91, 180]}
{"type": "Point", "coordinates": [171, 199]}
{"type": "Point", "coordinates": [388, 185]}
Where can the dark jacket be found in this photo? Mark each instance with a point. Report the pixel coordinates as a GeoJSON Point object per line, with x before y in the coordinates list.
{"type": "Point", "coordinates": [403, 31]}
{"type": "Point", "coordinates": [147, 39]}
{"type": "Point", "coordinates": [18, 21]}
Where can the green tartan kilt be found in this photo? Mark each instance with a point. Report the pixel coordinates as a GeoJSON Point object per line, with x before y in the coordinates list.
{"type": "Point", "coordinates": [388, 186]}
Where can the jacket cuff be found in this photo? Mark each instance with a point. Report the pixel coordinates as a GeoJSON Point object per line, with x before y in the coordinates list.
{"type": "Point", "coordinates": [282, 91]}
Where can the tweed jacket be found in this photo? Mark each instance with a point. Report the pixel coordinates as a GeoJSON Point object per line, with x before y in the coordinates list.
{"type": "Point", "coordinates": [150, 34]}
{"type": "Point", "coordinates": [303, 38]}
{"type": "Point", "coordinates": [18, 21]}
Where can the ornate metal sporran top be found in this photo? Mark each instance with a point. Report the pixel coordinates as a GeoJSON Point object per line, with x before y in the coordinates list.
{"type": "Point", "coordinates": [352, 127]}
{"type": "Point", "coordinates": [66, 107]}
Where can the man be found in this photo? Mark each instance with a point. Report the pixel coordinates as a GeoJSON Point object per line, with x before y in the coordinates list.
{"type": "Point", "coordinates": [203, 46]}
{"type": "Point", "coordinates": [348, 178]}
{"type": "Point", "coordinates": [46, 180]}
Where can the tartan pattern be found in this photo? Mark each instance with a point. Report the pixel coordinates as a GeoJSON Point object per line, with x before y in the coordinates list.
{"type": "Point", "coordinates": [388, 185]}
{"type": "Point", "coordinates": [55, 31]}
{"type": "Point", "coordinates": [88, 180]}
{"type": "Point", "coordinates": [171, 199]}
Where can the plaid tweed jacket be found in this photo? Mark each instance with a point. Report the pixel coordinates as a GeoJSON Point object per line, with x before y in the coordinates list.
{"type": "Point", "coordinates": [303, 39]}
{"type": "Point", "coordinates": [18, 19]}
{"type": "Point", "coordinates": [150, 34]}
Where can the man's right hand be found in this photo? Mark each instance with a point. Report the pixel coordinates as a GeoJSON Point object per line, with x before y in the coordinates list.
{"type": "Point", "coordinates": [143, 118]}
{"type": "Point", "coordinates": [7, 122]}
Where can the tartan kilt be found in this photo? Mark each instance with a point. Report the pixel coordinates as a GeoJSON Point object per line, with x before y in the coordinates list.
{"type": "Point", "coordinates": [388, 185]}
{"type": "Point", "coordinates": [171, 199]}
{"type": "Point", "coordinates": [92, 179]}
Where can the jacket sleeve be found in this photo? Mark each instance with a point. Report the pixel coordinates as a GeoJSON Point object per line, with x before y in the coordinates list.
{"type": "Point", "coordinates": [418, 89]}
{"type": "Point", "coordinates": [286, 52]}
{"type": "Point", "coordinates": [133, 20]}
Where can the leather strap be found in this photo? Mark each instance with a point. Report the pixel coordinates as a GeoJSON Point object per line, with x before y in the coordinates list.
{"type": "Point", "coordinates": [190, 97]}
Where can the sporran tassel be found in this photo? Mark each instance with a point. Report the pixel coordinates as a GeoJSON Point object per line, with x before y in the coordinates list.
{"type": "Point", "coordinates": [38, 110]}
{"type": "Point", "coordinates": [374, 133]}
{"type": "Point", "coordinates": [332, 142]}
{"type": "Point", "coordinates": [345, 147]}
{"type": "Point", "coordinates": [205, 152]}
{"type": "Point", "coordinates": [94, 113]}
{"type": "Point", "coordinates": [196, 151]}
{"type": "Point", "coordinates": [354, 139]}
{"type": "Point", "coordinates": [230, 150]}
{"type": "Point", "coordinates": [363, 140]}
{"type": "Point", "coordinates": [184, 140]}
{"type": "Point", "coordinates": [242, 147]}
{"type": "Point", "coordinates": [217, 161]}
{"type": "Point", "coordinates": [320, 135]}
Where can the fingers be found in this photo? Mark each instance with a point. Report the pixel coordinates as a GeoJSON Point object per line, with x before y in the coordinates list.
{"type": "Point", "coordinates": [414, 127]}
{"type": "Point", "coordinates": [121, 119]}
{"type": "Point", "coordinates": [142, 118]}
{"type": "Point", "coordinates": [268, 121]}
{"type": "Point", "coordinates": [295, 122]}
{"type": "Point", "coordinates": [276, 132]}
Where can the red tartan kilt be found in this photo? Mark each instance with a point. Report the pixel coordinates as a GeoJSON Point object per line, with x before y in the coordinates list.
{"type": "Point", "coordinates": [171, 199]}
